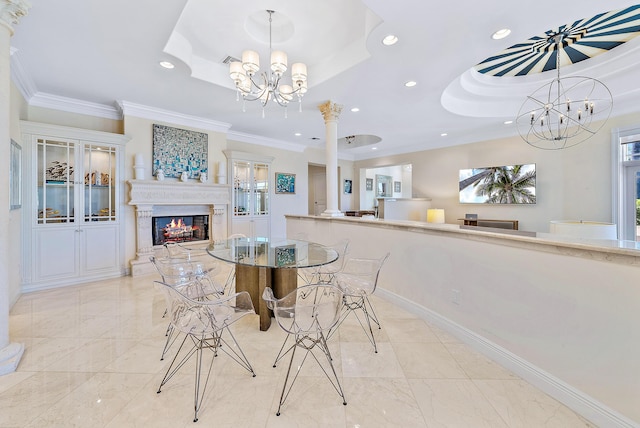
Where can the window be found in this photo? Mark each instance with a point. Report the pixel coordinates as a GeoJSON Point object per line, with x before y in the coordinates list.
{"type": "Point", "coordinates": [626, 182]}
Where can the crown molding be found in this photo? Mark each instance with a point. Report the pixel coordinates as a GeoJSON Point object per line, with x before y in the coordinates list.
{"type": "Point", "coordinates": [263, 141]}
{"type": "Point", "coordinates": [125, 108]}
{"type": "Point", "coordinates": [147, 112]}
{"type": "Point", "coordinates": [72, 105]}
{"type": "Point", "coordinates": [20, 77]}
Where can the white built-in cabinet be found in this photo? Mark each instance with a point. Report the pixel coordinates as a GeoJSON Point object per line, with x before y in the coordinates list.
{"type": "Point", "coordinates": [72, 211]}
{"type": "Point", "coordinates": [249, 178]}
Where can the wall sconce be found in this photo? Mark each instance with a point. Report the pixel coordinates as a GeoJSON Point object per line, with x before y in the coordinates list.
{"type": "Point", "coordinates": [435, 215]}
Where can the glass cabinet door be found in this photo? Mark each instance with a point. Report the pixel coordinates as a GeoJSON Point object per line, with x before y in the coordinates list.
{"type": "Point", "coordinates": [261, 189]}
{"type": "Point", "coordinates": [99, 183]}
{"type": "Point", "coordinates": [250, 189]}
{"type": "Point", "coordinates": [55, 181]}
{"type": "Point", "coordinates": [242, 188]}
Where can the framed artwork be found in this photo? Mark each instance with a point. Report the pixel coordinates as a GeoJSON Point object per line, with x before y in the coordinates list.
{"type": "Point", "coordinates": [383, 186]}
{"type": "Point", "coordinates": [178, 150]}
{"type": "Point", "coordinates": [286, 255]}
{"type": "Point", "coordinates": [285, 183]}
{"type": "Point", "coordinates": [369, 184]}
{"type": "Point", "coordinates": [347, 186]}
{"type": "Point", "coordinates": [508, 184]}
{"type": "Point", "coordinates": [397, 186]}
{"type": "Point", "coordinates": [15, 176]}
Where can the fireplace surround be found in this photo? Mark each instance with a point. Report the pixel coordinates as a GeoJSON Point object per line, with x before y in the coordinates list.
{"type": "Point", "coordinates": [179, 229]}
{"type": "Point", "coordinates": [175, 199]}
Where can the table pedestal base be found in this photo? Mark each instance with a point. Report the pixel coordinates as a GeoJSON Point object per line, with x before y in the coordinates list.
{"type": "Point", "coordinates": [255, 279]}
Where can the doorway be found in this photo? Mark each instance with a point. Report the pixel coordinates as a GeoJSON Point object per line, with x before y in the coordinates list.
{"type": "Point", "coordinates": [317, 189]}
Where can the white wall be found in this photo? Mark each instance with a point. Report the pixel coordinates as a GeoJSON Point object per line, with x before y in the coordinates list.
{"type": "Point", "coordinates": [401, 173]}
{"type": "Point", "coordinates": [288, 162]}
{"type": "Point", "coordinates": [573, 183]}
{"type": "Point", "coordinates": [566, 312]}
{"type": "Point", "coordinates": [141, 132]}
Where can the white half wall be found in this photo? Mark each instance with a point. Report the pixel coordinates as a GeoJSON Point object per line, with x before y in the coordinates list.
{"type": "Point", "coordinates": [565, 318]}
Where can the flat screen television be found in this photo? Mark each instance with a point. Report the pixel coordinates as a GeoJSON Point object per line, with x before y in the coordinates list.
{"type": "Point", "coordinates": [511, 184]}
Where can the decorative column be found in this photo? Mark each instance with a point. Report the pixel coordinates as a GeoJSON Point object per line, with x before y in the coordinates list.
{"type": "Point", "coordinates": [10, 12]}
{"type": "Point", "coordinates": [331, 112]}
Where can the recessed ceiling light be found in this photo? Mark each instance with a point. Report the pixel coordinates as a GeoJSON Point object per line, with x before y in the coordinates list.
{"type": "Point", "coordinates": [374, 148]}
{"type": "Point", "coordinates": [508, 122]}
{"type": "Point", "coordinates": [501, 34]}
{"type": "Point", "coordinates": [444, 134]}
{"type": "Point", "coordinates": [297, 134]}
{"type": "Point", "coordinates": [389, 40]}
{"type": "Point", "coordinates": [355, 109]}
{"type": "Point", "coordinates": [410, 84]}
{"type": "Point", "coordinates": [166, 64]}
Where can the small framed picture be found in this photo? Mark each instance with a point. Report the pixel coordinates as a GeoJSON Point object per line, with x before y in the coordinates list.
{"type": "Point", "coordinates": [369, 184]}
{"type": "Point", "coordinates": [397, 186]}
{"type": "Point", "coordinates": [347, 186]}
{"type": "Point", "coordinates": [285, 183]}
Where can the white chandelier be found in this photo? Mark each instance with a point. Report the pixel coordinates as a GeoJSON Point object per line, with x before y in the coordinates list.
{"type": "Point", "coordinates": [268, 85]}
{"type": "Point", "coordinates": [566, 111]}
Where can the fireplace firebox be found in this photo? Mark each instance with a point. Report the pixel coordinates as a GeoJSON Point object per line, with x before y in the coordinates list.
{"type": "Point", "coordinates": [181, 228]}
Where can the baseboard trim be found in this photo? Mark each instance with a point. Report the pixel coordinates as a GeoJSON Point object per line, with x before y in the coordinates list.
{"type": "Point", "coordinates": [581, 403]}
{"type": "Point", "coordinates": [30, 288]}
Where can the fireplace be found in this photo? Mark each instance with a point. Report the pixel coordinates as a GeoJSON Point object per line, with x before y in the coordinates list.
{"type": "Point", "coordinates": [201, 208]}
{"type": "Point", "coordinates": [181, 228]}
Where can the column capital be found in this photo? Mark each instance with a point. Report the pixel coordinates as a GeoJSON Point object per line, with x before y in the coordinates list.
{"type": "Point", "coordinates": [330, 111]}
{"type": "Point", "coordinates": [12, 10]}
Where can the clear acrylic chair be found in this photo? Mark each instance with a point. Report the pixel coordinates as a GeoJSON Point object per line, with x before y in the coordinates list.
{"type": "Point", "coordinates": [205, 324]}
{"type": "Point", "coordinates": [325, 274]}
{"type": "Point", "coordinates": [230, 268]}
{"type": "Point", "coordinates": [198, 257]}
{"type": "Point", "coordinates": [358, 280]}
{"type": "Point", "coordinates": [178, 272]}
{"type": "Point", "coordinates": [307, 314]}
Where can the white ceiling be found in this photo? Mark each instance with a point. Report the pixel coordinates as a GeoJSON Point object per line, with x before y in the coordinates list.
{"type": "Point", "coordinates": [102, 57]}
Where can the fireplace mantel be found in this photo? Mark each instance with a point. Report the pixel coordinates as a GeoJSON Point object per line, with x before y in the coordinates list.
{"type": "Point", "coordinates": [151, 192]}
{"type": "Point", "coordinates": [147, 194]}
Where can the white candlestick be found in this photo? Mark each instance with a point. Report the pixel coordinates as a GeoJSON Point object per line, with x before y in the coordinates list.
{"type": "Point", "coordinates": [138, 167]}
{"type": "Point", "coordinates": [222, 173]}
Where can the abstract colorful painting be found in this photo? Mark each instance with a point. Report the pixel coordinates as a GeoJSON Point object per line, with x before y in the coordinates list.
{"type": "Point", "coordinates": [179, 150]}
{"type": "Point", "coordinates": [285, 183]}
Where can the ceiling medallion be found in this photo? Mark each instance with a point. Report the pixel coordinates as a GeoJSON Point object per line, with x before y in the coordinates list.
{"type": "Point", "coordinates": [568, 110]}
{"type": "Point", "coordinates": [565, 111]}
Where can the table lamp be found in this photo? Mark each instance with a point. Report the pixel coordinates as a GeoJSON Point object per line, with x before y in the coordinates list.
{"type": "Point", "coordinates": [435, 215]}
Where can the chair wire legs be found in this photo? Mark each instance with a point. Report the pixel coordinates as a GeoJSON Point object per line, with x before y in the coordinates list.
{"type": "Point", "coordinates": [282, 352]}
{"type": "Point", "coordinates": [355, 304]}
{"type": "Point", "coordinates": [172, 335]}
{"type": "Point", "coordinates": [308, 343]}
{"type": "Point", "coordinates": [214, 343]}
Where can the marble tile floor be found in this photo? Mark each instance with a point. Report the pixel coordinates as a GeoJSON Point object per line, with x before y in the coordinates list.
{"type": "Point", "coordinates": [92, 359]}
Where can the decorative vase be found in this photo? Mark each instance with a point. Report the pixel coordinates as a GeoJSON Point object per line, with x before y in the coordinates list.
{"type": "Point", "coordinates": [184, 176]}
{"type": "Point", "coordinates": [159, 175]}
{"type": "Point", "coordinates": [203, 177]}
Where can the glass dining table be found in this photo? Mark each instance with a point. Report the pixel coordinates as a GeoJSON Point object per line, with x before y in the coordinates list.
{"type": "Point", "coordinates": [262, 262]}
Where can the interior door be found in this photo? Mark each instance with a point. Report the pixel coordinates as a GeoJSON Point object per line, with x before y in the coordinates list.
{"type": "Point", "coordinates": [319, 192]}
